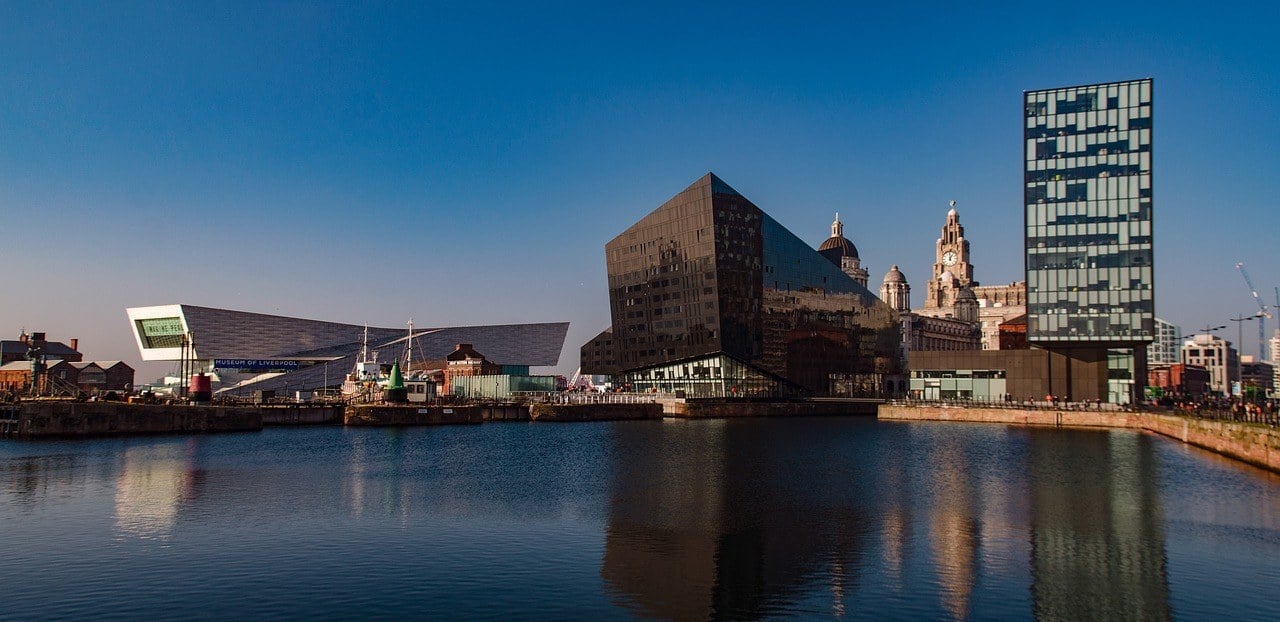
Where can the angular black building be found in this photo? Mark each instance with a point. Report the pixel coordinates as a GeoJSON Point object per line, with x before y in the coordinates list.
{"type": "Point", "coordinates": [711, 296]}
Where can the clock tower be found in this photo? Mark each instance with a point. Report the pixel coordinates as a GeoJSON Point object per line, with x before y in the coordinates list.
{"type": "Point", "coordinates": [951, 270]}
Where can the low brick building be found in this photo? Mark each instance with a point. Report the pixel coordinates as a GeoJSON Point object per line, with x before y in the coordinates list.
{"type": "Point", "coordinates": [103, 376]}
{"type": "Point", "coordinates": [465, 361]}
{"type": "Point", "coordinates": [68, 377]}
{"type": "Point", "coordinates": [1179, 379]}
{"type": "Point", "coordinates": [16, 350]}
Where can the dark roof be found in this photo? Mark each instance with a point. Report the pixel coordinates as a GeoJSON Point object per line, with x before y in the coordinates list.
{"type": "Point", "coordinates": [841, 243]}
{"type": "Point", "coordinates": [51, 348]}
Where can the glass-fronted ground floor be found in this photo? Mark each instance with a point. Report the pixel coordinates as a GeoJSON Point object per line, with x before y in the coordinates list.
{"type": "Point", "coordinates": [958, 384]}
{"type": "Point", "coordinates": [716, 375]}
{"type": "Point", "coordinates": [723, 376]}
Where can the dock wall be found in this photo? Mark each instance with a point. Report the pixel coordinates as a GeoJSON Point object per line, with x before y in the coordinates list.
{"type": "Point", "coordinates": [1253, 443]}
{"type": "Point", "coordinates": [721, 409]}
{"type": "Point", "coordinates": [67, 419]}
{"type": "Point", "coordinates": [301, 415]}
{"type": "Point", "coordinates": [594, 412]}
{"type": "Point", "coordinates": [381, 415]}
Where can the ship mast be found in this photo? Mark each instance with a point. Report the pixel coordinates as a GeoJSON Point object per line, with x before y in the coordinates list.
{"type": "Point", "coordinates": [408, 352]}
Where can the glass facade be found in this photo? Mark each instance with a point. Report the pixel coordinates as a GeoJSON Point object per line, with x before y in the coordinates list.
{"type": "Point", "coordinates": [959, 384]}
{"type": "Point", "coordinates": [709, 273]}
{"type": "Point", "coordinates": [710, 376]}
{"type": "Point", "coordinates": [1167, 346]}
{"type": "Point", "coordinates": [1088, 200]}
{"type": "Point", "coordinates": [500, 386]}
{"type": "Point", "coordinates": [1121, 376]}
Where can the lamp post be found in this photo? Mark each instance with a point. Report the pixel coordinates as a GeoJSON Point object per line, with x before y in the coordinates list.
{"type": "Point", "coordinates": [1240, 320]}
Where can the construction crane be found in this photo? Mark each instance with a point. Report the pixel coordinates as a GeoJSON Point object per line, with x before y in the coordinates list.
{"type": "Point", "coordinates": [1263, 315]}
{"type": "Point", "coordinates": [1276, 359]}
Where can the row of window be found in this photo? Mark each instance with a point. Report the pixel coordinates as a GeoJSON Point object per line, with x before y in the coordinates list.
{"type": "Point", "coordinates": [1091, 212]}
{"type": "Point", "coordinates": [1078, 192]}
{"type": "Point", "coordinates": [1082, 260]}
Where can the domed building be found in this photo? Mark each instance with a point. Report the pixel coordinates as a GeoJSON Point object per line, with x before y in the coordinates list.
{"type": "Point", "coordinates": [841, 252]}
{"type": "Point", "coordinates": [966, 307]}
{"type": "Point", "coordinates": [895, 291]}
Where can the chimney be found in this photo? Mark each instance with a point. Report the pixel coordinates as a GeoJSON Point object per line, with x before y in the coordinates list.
{"type": "Point", "coordinates": [75, 344]}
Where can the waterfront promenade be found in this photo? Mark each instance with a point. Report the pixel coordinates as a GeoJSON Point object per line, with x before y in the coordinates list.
{"type": "Point", "coordinates": [1251, 437]}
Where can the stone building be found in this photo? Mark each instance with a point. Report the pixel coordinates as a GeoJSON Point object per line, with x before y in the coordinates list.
{"type": "Point", "coordinates": [895, 291]}
{"type": "Point", "coordinates": [841, 252]}
{"type": "Point", "coordinates": [951, 268]}
{"type": "Point", "coordinates": [1216, 355]}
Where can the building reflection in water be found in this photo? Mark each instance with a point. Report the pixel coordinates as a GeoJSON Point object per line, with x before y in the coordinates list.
{"type": "Point", "coordinates": [725, 520]}
{"type": "Point", "coordinates": [378, 475]}
{"type": "Point", "coordinates": [1097, 541]}
{"type": "Point", "coordinates": [29, 480]}
{"type": "Point", "coordinates": [153, 482]}
{"type": "Point", "coordinates": [953, 529]}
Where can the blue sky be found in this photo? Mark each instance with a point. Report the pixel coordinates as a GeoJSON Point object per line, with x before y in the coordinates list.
{"type": "Point", "coordinates": [466, 162]}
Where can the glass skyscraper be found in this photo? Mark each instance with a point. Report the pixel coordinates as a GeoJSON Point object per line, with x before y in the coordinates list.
{"type": "Point", "coordinates": [1088, 207]}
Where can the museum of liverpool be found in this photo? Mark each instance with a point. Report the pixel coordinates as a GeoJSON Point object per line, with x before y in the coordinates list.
{"type": "Point", "coordinates": [250, 352]}
{"type": "Point", "coordinates": [711, 297]}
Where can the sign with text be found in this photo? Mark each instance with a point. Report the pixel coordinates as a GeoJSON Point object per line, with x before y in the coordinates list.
{"type": "Point", "coordinates": [161, 326]}
{"type": "Point", "coordinates": [255, 364]}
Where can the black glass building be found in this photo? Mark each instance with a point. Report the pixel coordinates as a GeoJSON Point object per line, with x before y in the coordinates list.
{"type": "Point", "coordinates": [1088, 200]}
{"type": "Point", "coordinates": [711, 296]}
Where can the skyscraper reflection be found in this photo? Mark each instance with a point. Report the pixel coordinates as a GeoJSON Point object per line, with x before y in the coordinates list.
{"type": "Point", "coordinates": [726, 520]}
{"type": "Point", "coordinates": [1097, 538]}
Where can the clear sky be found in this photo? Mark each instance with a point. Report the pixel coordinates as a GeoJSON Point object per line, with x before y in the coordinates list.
{"type": "Point", "coordinates": [465, 162]}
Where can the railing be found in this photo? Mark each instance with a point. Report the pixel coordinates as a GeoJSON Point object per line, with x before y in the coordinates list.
{"type": "Point", "coordinates": [1265, 413]}
{"type": "Point", "coordinates": [592, 398]}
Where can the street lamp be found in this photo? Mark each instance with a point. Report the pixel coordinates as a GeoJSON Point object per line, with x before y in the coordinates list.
{"type": "Point", "coordinates": [1240, 320]}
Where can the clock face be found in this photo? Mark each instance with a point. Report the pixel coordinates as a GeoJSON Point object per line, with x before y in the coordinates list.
{"type": "Point", "coordinates": [949, 258]}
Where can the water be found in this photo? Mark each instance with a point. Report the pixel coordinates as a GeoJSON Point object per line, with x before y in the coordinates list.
{"type": "Point", "coordinates": [813, 518]}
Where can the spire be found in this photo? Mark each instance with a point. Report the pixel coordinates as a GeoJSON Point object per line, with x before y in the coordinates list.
{"type": "Point", "coordinates": [953, 211]}
{"type": "Point", "coordinates": [837, 227]}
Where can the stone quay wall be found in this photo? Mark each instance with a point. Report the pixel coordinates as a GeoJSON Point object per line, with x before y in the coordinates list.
{"type": "Point", "coordinates": [380, 415]}
{"type": "Point", "coordinates": [726, 409]}
{"type": "Point", "coordinates": [594, 412]}
{"type": "Point", "coordinates": [1253, 443]}
{"type": "Point", "coordinates": [301, 415]}
{"type": "Point", "coordinates": [69, 419]}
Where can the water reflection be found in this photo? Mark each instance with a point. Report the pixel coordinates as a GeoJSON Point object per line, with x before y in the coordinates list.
{"type": "Point", "coordinates": [27, 479]}
{"type": "Point", "coordinates": [726, 520]}
{"type": "Point", "coordinates": [751, 519]}
{"type": "Point", "coordinates": [153, 483]}
{"type": "Point", "coordinates": [1097, 541]}
{"type": "Point", "coordinates": [953, 534]}
{"type": "Point", "coordinates": [730, 521]}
